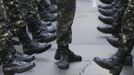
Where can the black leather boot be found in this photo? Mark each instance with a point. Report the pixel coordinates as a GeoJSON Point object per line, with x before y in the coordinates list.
{"type": "Point", "coordinates": [109, 30]}
{"type": "Point", "coordinates": [72, 57]}
{"type": "Point", "coordinates": [113, 64]}
{"type": "Point", "coordinates": [63, 62]}
{"type": "Point", "coordinates": [11, 65]}
{"type": "Point", "coordinates": [113, 41]}
{"type": "Point", "coordinates": [107, 12]}
{"type": "Point", "coordinates": [110, 6]}
{"type": "Point", "coordinates": [106, 20]}
{"type": "Point", "coordinates": [30, 46]}
{"type": "Point", "coordinates": [40, 35]}
{"type": "Point", "coordinates": [107, 1]}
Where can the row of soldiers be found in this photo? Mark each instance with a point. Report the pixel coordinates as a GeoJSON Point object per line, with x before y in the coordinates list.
{"type": "Point", "coordinates": [18, 18]}
{"type": "Point", "coordinates": [118, 18]}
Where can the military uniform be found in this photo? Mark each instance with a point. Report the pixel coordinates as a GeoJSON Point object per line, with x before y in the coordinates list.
{"type": "Point", "coordinates": [127, 28]}
{"type": "Point", "coordinates": [126, 42]}
{"type": "Point", "coordinates": [66, 12]}
{"type": "Point", "coordinates": [5, 34]}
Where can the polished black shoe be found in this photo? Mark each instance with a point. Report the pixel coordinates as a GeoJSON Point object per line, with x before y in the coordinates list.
{"type": "Point", "coordinates": [107, 12]}
{"type": "Point", "coordinates": [24, 57]}
{"type": "Point", "coordinates": [107, 1]}
{"type": "Point", "coordinates": [17, 66]}
{"type": "Point", "coordinates": [106, 6]}
{"type": "Point", "coordinates": [113, 42]}
{"type": "Point", "coordinates": [108, 30]}
{"type": "Point", "coordinates": [63, 63]}
{"type": "Point", "coordinates": [115, 63]}
{"type": "Point", "coordinates": [35, 48]}
{"type": "Point", "coordinates": [48, 16]}
{"type": "Point", "coordinates": [106, 20]}
{"type": "Point", "coordinates": [72, 57]}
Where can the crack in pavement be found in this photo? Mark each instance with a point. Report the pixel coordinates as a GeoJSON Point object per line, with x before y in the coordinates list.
{"type": "Point", "coordinates": [84, 68]}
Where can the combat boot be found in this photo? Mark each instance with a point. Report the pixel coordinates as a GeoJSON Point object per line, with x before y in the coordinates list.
{"type": "Point", "coordinates": [113, 42]}
{"type": "Point", "coordinates": [107, 1]}
{"type": "Point", "coordinates": [40, 35]}
{"type": "Point", "coordinates": [65, 55]}
{"type": "Point", "coordinates": [107, 12]}
{"type": "Point", "coordinates": [106, 20]}
{"type": "Point", "coordinates": [30, 46]}
{"type": "Point", "coordinates": [63, 62]}
{"type": "Point", "coordinates": [115, 63]}
{"type": "Point", "coordinates": [72, 57]}
{"type": "Point", "coordinates": [11, 65]}
{"type": "Point", "coordinates": [109, 30]}
{"type": "Point", "coordinates": [24, 57]}
{"type": "Point", "coordinates": [110, 6]}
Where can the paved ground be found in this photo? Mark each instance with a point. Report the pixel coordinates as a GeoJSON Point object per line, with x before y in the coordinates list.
{"type": "Point", "coordinates": [87, 42]}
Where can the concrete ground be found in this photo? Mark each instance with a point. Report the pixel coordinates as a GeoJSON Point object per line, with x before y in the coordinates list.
{"type": "Point", "coordinates": [87, 42]}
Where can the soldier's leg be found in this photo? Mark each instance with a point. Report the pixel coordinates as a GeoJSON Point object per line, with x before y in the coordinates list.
{"type": "Point", "coordinates": [126, 43]}
{"type": "Point", "coordinates": [6, 49]}
{"type": "Point", "coordinates": [64, 33]}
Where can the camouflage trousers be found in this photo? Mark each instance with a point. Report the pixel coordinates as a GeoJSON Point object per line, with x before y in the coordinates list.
{"type": "Point", "coordinates": [66, 12]}
{"type": "Point", "coordinates": [126, 37]}
{"type": "Point", "coordinates": [14, 15]}
{"type": "Point", "coordinates": [5, 34]}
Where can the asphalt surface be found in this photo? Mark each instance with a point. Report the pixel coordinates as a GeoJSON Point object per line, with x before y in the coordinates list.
{"type": "Point", "coordinates": [87, 42]}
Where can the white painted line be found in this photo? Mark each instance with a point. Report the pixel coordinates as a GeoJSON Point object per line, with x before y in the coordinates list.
{"type": "Point", "coordinates": [94, 4]}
